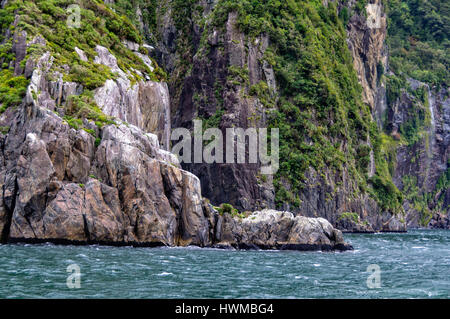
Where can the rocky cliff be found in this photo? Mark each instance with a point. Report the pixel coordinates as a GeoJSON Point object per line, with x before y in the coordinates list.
{"type": "Point", "coordinates": [421, 169]}
{"type": "Point", "coordinates": [135, 194]}
{"type": "Point", "coordinates": [211, 80]}
{"type": "Point", "coordinates": [87, 113]}
{"type": "Point", "coordinates": [232, 70]}
{"type": "Point", "coordinates": [412, 114]}
{"type": "Point", "coordinates": [81, 160]}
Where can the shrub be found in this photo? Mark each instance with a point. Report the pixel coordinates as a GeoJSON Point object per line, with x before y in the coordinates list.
{"type": "Point", "coordinates": [350, 216]}
{"type": "Point", "coordinates": [227, 209]}
{"type": "Point", "coordinates": [12, 89]}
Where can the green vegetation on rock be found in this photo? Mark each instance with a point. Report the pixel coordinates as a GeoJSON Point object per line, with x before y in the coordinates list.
{"type": "Point", "coordinates": [418, 36]}
{"type": "Point", "coordinates": [349, 216]}
{"type": "Point", "coordinates": [12, 89]}
{"type": "Point", "coordinates": [322, 120]}
{"type": "Point", "coordinates": [229, 209]}
{"type": "Point", "coordinates": [421, 201]}
{"type": "Point", "coordinates": [47, 30]}
{"type": "Point", "coordinates": [84, 107]}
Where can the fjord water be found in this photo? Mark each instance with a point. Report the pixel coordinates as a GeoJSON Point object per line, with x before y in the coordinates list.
{"type": "Point", "coordinates": [413, 265]}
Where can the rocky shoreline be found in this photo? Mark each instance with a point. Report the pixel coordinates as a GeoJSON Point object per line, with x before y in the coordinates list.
{"type": "Point", "coordinates": [262, 230]}
{"type": "Point", "coordinates": [61, 185]}
{"type": "Point", "coordinates": [58, 186]}
{"type": "Point", "coordinates": [294, 247]}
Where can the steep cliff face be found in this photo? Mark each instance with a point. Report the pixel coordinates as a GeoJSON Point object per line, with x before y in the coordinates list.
{"type": "Point", "coordinates": [421, 169]}
{"type": "Point", "coordinates": [144, 104]}
{"type": "Point", "coordinates": [212, 70]}
{"type": "Point", "coordinates": [75, 177]}
{"type": "Point", "coordinates": [366, 36]}
{"type": "Point", "coordinates": [77, 163]}
{"type": "Point", "coordinates": [81, 160]}
{"type": "Point", "coordinates": [412, 113]}
{"type": "Point", "coordinates": [231, 69]}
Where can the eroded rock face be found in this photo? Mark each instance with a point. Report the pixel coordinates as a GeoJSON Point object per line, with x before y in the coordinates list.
{"type": "Point", "coordinates": [353, 226]}
{"type": "Point", "coordinates": [216, 54]}
{"type": "Point", "coordinates": [440, 221]}
{"type": "Point", "coordinates": [427, 159]}
{"type": "Point", "coordinates": [144, 104]}
{"type": "Point", "coordinates": [419, 166]}
{"type": "Point", "coordinates": [328, 197]}
{"type": "Point", "coordinates": [366, 41]}
{"type": "Point", "coordinates": [61, 184]}
{"type": "Point", "coordinates": [207, 90]}
{"type": "Point", "coordinates": [58, 186]}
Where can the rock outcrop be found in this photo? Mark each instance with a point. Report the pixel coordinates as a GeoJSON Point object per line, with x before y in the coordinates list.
{"type": "Point", "coordinates": [59, 186]}
{"type": "Point", "coordinates": [270, 229]}
{"type": "Point", "coordinates": [144, 104]}
{"type": "Point", "coordinates": [440, 221]}
{"type": "Point", "coordinates": [353, 224]}
{"type": "Point", "coordinates": [69, 179]}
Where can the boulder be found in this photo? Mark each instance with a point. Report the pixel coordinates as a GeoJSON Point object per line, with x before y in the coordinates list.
{"type": "Point", "coordinates": [270, 229]}
{"type": "Point", "coordinates": [440, 221]}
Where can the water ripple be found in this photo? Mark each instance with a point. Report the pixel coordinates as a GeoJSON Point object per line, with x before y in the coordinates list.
{"type": "Point", "coordinates": [413, 265]}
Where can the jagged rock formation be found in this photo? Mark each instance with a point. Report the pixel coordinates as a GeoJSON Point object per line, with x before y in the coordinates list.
{"type": "Point", "coordinates": [440, 220]}
{"type": "Point", "coordinates": [58, 186]}
{"type": "Point", "coordinates": [144, 104]}
{"type": "Point", "coordinates": [133, 195]}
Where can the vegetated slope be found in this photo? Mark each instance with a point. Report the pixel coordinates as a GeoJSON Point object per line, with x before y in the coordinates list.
{"type": "Point", "coordinates": [44, 24]}
{"type": "Point", "coordinates": [418, 108]}
{"type": "Point", "coordinates": [418, 38]}
{"type": "Point", "coordinates": [282, 64]}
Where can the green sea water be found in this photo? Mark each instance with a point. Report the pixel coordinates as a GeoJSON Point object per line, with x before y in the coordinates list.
{"type": "Point", "coordinates": [412, 265]}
